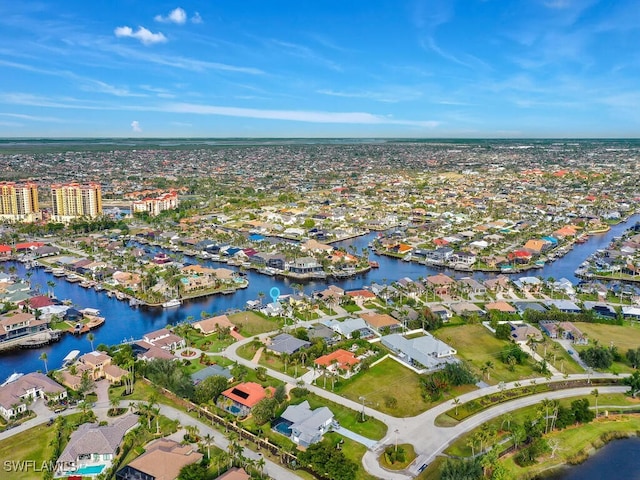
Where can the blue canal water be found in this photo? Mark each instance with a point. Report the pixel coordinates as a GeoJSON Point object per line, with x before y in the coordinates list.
{"type": "Point", "coordinates": [616, 460]}
{"type": "Point", "coordinates": [124, 322]}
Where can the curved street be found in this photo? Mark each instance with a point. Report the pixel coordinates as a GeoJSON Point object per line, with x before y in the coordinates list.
{"type": "Point", "coordinates": [428, 439]}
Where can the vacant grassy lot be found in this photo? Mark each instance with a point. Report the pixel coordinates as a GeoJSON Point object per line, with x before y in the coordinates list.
{"type": "Point", "coordinates": [477, 345]}
{"type": "Point", "coordinates": [33, 445]}
{"type": "Point", "coordinates": [250, 323]}
{"type": "Point", "coordinates": [387, 380]}
{"type": "Point", "coordinates": [623, 337]}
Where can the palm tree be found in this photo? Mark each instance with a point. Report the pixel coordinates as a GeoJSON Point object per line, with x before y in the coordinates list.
{"type": "Point", "coordinates": [208, 439]}
{"type": "Point", "coordinates": [51, 284]}
{"type": "Point", "coordinates": [489, 365]}
{"type": "Point", "coordinates": [456, 403]}
{"type": "Point", "coordinates": [44, 357]}
{"type": "Point", "coordinates": [91, 337]}
{"type": "Point", "coordinates": [596, 393]}
{"type": "Point", "coordinates": [260, 464]}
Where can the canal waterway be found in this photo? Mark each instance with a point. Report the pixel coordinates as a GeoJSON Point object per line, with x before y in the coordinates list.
{"type": "Point", "coordinates": [616, 460]}
{"type": "Point", "coordinates": [125, 323]}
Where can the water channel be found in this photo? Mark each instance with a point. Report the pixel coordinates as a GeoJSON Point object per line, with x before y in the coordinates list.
{"type": "Point", "coordinates": [124, 322]}
{"type": "Point", "coordinates": [616, 460]}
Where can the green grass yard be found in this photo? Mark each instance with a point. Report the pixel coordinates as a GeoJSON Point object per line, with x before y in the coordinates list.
{"type": "Point", "coordinates": [477, 345]}
{"type": "Point", "coordinates": [251, 323]}
{"type": "Point", "coordinates": [388, 379]}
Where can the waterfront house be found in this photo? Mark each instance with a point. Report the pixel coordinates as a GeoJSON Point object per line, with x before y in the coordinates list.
{"type": "Point", "coordinates": [164, 339]}
{"type": "Point", "coordinates": [15, 325]}
{"type": "Point", "coordinates": [234, 473]}
{"type": "Point", "coordinates": [94, 363]}
{"type": "Point", "coordinates": [162, 460]}
{"type": "Point", "coordinates": [440, 283]}
{"type": "Point", "coordinates": [303, 425]}
{"type": "Point", "coordinates": [16, 395]}
{"type": "Point", "coordinates": [305, 266]}
{"type": "Point", "coordinates": [239, 400]}
{"type": "Point", "coordinates": [212, 325]}
{"type": "Point", "coordinates": [93, 448]}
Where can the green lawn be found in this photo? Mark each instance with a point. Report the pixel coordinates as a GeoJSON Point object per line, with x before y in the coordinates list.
{"type": "Point", "coordinates": [558, 357]}
{"type": "Point", "coordinates": [387, 380]}
{"type": "Point", "coordinates": [353, 451]}
{"type": "Point", "coordinates": [350, 419]}
{"type": "Point", "coordinates": [251, 323]}
{"type": "Point", "coordinates": [32, 444]}
{"type": "Point", "coordinates": [623, 337]}
{"type": "Point", "coordinates": [410, 456]}
{"type": "Point", "coordinates": [477, 345]}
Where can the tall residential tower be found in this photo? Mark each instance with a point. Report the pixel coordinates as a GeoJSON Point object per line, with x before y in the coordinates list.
{"type": "Point", "coordinates": [19, 202]}
{"type": "Point", "coordinates": [72, 200]}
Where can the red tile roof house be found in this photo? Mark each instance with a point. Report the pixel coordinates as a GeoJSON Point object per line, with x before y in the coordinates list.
{"type": "Point", "coordinates": [5, 251]}
{"type": "Point", "coordinates": [339, 361]}
{"type": "Point", "coordinates": [239, 400]}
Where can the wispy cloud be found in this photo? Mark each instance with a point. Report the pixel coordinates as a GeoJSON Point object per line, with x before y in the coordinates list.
{"type": "Point", "coordinates": [197, 19]}
{"type": "Point", "coordinates": [306, 53]}
{"type": "Point", "coordinates": [184, 63]}
{"type": "Point", "coordinates": [177, 15]}
{"type": "Point", "coordinates": [135, 127]}
{"type": "Point", "coordinates": [103, 87]}
{"type": "Point", "coordinates": [361, 118]}
{"type": "Point", "coordinates": [33, 118]}
{"type": "Point", "coordinates": [145, 36]}
{"type": "Point", "coordinates": [391, 94]}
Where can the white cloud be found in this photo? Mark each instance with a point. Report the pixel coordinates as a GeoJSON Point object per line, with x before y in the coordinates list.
{"type": "Point", "coordinates": [145, 36]}
{"type": "Point", "coordinates": [135, 127]}
{"type": "Point", "coordinates": [362, 118]}
{"type": "Point", "coordinates": [196, 18]}
{"type": "Point", "coordinates": [177, 15]}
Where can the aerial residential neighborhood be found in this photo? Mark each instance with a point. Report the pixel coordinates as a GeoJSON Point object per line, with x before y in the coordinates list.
{"type": "Point", "coordinates": [312, 319]}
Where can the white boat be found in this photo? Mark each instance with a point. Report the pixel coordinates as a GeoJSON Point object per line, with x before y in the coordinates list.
{"type": "Point", "coordinates": [171, 303]}
{"type": "Point", "coordinates": [71, 356]}
{"type": "Point", "coordinates": [94, 312]}
{"type": "Point", "coordinates": [12, 378]}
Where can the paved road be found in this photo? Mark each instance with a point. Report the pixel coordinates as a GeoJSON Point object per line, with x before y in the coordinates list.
{"type": "Point", "coordinates": [421, 431]}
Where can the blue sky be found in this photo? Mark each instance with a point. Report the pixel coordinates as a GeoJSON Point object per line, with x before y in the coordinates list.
{"type": "Point", "coordinates": [330, 68]}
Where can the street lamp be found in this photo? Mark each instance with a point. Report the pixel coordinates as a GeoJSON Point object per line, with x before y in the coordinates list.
{"type": "Point", "coordinates": [396, 432]}
{"type": "Point", "coordinates": [362, 399]}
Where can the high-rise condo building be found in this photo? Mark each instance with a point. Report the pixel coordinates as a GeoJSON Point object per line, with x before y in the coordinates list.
{"type": "Point", "coordinates": [19, 202]}
{"type": "Point", "coordinates": [72, 200]}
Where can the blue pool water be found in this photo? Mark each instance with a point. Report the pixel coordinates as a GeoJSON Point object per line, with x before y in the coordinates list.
{"type": "Point", "coordinates": [233, 409]}
{"type": "Point", "coordinates": [90, 470]}
{"type": "Point", "coordinates": [283, 428]}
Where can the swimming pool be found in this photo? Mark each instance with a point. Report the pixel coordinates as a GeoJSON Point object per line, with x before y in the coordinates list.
{"type": "Point", "coordinates": [90, 470]}
{"type": "Point", "coordinates": [282, 427]}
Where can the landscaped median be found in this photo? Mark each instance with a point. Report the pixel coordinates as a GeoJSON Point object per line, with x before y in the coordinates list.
{"type": "Point", "coordinates": [462, 411]}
